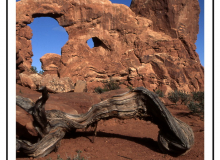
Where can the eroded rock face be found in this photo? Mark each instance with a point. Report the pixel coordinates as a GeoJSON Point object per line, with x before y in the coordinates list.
{"type": "Point", "coordinates": [151, 47]}
{"type": "Point", "coordinates": [175, 18]}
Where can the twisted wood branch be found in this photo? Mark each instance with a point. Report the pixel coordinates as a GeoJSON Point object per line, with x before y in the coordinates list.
{"type": "Point", "coordinates": [175, 136]}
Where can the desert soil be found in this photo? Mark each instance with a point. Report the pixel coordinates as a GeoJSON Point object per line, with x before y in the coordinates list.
{"type": "Point", "coordinates": [130, 139]}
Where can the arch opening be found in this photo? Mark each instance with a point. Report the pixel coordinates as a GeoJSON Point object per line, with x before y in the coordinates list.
{"type": "Point", "coordinates": [95, 42]}
{"type": "Point", "coordinates": [90, 43]}
{"type": "Point", "coordinates": [48, 37]}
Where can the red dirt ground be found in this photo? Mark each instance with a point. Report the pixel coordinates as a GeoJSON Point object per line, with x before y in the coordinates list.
{"type": "Point", "coordinates": [130, 139]}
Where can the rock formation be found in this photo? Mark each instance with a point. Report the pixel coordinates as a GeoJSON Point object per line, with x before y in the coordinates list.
{"type": "Point", "coordinates": [175, 18]}
{"type": "Point", "coordinates": [150, 45]}
{"type": "Point", "coordinates": [50, 63]}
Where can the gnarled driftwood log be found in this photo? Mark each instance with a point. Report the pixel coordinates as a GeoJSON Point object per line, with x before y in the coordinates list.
{"type": "Point", "coordinates": [174, 136]}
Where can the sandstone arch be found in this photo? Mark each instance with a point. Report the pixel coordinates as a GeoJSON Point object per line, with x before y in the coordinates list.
{"type": "Point", "coordinates": [130, 41]}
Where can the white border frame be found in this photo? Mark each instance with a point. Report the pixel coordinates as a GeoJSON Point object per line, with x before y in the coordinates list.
{"type": "Point", "coordinates": [11, 79]}
{"type": "Point", "coordinates": [3, 78]}
{"type": "Point", "coordinates": [217, 78]}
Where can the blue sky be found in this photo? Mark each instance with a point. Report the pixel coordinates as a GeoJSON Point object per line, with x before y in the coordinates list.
{"type": "Point", "coordinates": [49, 36]}
{"type": "Point", "coordinates": [200, 36]}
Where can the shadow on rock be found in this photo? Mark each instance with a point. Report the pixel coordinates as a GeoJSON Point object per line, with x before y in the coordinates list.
{"type": "Point", "coordinates": [184, 114]}
{"type": "Point", "coordinates": [22, 133]}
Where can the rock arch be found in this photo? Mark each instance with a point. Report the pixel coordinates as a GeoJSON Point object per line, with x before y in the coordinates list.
{"type": "Point", "coordinates": [26, 12]}
{"type": "Point", "coordinates": [98, 43]}
{"type": "Point", "coordinates": [131, 46]}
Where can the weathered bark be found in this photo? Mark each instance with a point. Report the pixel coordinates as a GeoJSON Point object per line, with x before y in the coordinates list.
{"type": "Point", "coordinates": [174, 137]}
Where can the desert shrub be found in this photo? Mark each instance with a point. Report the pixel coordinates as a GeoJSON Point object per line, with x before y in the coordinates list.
{"type": "Point", "coordinates": [110, 85]}
{"type": "Point", "coordinates": [198, 96]}
{"type": "Point", "coordinates": [196, 107]}
{"type": "Point", "coordinates": [130, 87]}
{"type": "Point", "coordinates": [58, 157]}
{"type": "Point", "coordinates": [34, 69]}
{"type": "Point", "coordinates": [78, 156]}
{"type": "Point", "coordinates": [41, 72]}
{"type": "Point", "coordinates": [99, 90]}
{"type": "Point", "coordinates": [174, 96]}
{"type": "Point", "coordinates": [184, 97]}
{"type": "Point", "coordinates": [159, 93]}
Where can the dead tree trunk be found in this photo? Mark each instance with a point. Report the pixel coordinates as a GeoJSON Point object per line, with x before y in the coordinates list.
{"type": "Point", "coordinates": [175, 136]}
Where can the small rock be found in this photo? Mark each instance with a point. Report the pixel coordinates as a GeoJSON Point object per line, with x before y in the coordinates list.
{"type": "Point", "coordinates": [56, 84]}
{"type": "Point", "coordinates": [27, 81]}
{"type": "Point", "coordinates": [80, 86]}
{"type": "Point", "coordinates": [148, 122]}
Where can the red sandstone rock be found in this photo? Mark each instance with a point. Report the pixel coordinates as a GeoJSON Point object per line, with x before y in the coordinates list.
{"type": "Point", "coordinates": [24, 126]}
{"type": "Point", "coordinates": [32, 81]}
{"type": "Point", "coordinates": [151, 47]}
{"type": "Point", "coordinates": [36, 78]}
{"type": "Point", "coordinates": [50, 63]}
{"type": "Point", "coordinates": [27, 81]}
{"type": "Point", "coordinates": [56, 84]}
